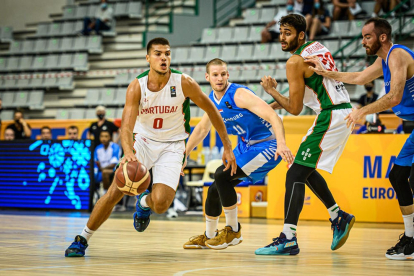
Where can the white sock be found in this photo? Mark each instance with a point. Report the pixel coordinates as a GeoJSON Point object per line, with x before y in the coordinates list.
{"type": "Point", "coordinates": [333, 211]}
{"type": "Point", "coordinates": [143, 202]}
{"type": "Point", "coordinates": [289, 230]}
{"type": "Point", "coordinates": [408, 224]}
{"type": "Point", "coordinates": [211, 227]}
{"type": "Point", "coordinates": [87, 233]}
{"type": "Point", "coordinates": [231, 219]}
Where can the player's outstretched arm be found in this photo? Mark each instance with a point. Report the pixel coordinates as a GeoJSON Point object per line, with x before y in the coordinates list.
{"type": "Point", "coordinates": [369, 74]}
{"type": "Point", "coordinates": [294, 72]}
{"type": "Point", "coordinates": [246, 99]}
{"type": "Point", "coordinates": [129, 117]}
{"type": "Point", "coordinates": [398, 64]}
{"type": "Point", "coordinates": [199, 133]}
{"type": "Point", "coordinates": [193, 91]}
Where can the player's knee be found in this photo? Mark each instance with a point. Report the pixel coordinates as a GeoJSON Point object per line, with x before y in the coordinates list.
{"type": "Point", "coordinates": [213, 203]}
{"type": "Point", "coordinates": [161, 204]}
{"type": "Point", "coordinates": [221, 176]}
{"type": "Point", "coordinates": [212, 191]}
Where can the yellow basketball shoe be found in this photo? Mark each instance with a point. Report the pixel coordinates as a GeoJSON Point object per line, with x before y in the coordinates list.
{"type": "Point", "coordinates": [197, 242]}
{"type": "Point", "coordinates": [225, 238]}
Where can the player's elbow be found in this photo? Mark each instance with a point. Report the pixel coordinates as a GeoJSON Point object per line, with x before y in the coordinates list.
{"type": "Point", "coordinates": [296, 111]}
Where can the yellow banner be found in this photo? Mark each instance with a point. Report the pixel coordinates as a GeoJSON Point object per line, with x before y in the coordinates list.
{"type": "Point", "coordinates": [359, 182]}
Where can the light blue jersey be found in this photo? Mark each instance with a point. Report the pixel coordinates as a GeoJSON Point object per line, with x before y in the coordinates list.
{"type": "Point", "coordinates": [404, 110]}
{"type": "Point", "coordinates": [256, 148]}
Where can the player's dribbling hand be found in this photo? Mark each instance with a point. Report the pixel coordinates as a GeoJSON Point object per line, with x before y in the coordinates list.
{"type": "Point", "coordinates": [353, 117]}
{"type": "Point", "coordinates": [229, 161]}
{"type": "Point", "coordinates": [285, 153]}
{"type": "Point", "coordinates": [129, 157]}
{"type": "Point", "coordinates": [268, 83]}
{"type": "Point", "coordinates": [183, 167]}
{"type": "Point", "coordinates": [318, 69]}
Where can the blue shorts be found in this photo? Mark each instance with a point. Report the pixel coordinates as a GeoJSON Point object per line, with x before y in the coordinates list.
{"type": "Point", "coordinates": [406, 155]}
{"type": "Point", "coordinates": [256, 160]}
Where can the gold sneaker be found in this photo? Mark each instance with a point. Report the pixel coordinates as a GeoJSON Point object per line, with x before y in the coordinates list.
{"type": "Point", "coordinates": [225, 238]}
{"type": "Point", "coordinates": [196, 242]}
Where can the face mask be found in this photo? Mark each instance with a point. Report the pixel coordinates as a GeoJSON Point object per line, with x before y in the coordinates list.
{"type": "Point", "coordinates": [104, 6]}
{"type": "Point", "coordinates": [317, 5]}
{"type": "Point", "coordinates": [100, 116]}
{"type": "Point", "coordinates": [289, 8]}
{"type": "Point", "coordinates": [368, 88]}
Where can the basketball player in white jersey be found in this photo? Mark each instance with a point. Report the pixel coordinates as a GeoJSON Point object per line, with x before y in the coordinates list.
{"type": "Point", "coordinates": [155, 124]}
{"type": "Point", "coordinates": [324, 142]}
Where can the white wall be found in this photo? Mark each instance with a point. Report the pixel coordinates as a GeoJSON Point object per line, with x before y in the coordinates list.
{"type": "Point", "coordinates": [16, 13]}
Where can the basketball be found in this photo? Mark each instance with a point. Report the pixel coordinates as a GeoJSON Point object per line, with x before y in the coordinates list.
{"type": "Point", "coordinates": [132, 178]}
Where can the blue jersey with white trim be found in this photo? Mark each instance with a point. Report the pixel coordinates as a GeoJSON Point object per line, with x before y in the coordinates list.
{"type": "Point", "coordinates": [405, 109]}
{"type": "Point", "coordinates": [249, 127]}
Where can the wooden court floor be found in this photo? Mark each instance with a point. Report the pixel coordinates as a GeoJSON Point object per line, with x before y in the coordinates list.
{"type": "Point", "coordinates": [35, 245]}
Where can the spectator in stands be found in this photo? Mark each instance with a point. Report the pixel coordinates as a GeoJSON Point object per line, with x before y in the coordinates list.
{"type": "Point", "coordinates": [372, 125]}
{"type": "Point", "coordinates": [271, 32]}
{"type": "Point", "coordinates": [320, 21]}
{"type": "Point", "coordinates": [22, 130]}
{"type": "Point", "coordinates": [369, 97]}
{"type": "Point", "coordinates": [385, 5]}
{"type": "Point", "coordinates": [73, 133]}
{"type": "Point", "coordinates": [96, 128]}
{"type": "Point", "coordinates": [107, 156]}
{"type": "Point", "coordinates": [9, 134]}
{"type": "Point", "coordinates": [45, 133]}
{"type": "Point", "coordinates": [101, 22]}
{"type": "Point", "coordinates": [345, 9]}
{"type": "Point", "coordinates": [307, 8]}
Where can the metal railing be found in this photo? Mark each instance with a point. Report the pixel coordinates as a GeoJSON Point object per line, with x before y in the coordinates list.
{"type": "Point", "coordinates": [225, 10]}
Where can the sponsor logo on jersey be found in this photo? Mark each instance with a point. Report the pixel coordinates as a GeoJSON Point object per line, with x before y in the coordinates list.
{"type": "Point", "coordinates": [228, 105]}
{"type": "Point", "coordinates": [220, 110]}
{"type": "Point", "coordinates": [159, 109]}
{"type": "Point", "coordinates": [173, 91]}
{"type": "Point", "coordinates": [234, 118]}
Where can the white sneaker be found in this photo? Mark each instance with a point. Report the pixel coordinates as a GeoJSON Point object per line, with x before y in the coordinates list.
{"type": "Point", "coordinates": [171, 213]}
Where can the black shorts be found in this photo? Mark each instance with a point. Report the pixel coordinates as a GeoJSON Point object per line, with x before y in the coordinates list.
{"type": "Point", "coordinates": [274, 35]}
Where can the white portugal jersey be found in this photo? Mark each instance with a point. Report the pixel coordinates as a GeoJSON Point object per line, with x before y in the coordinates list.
{"type": "Point", "coordinates": [163, 116]}
{"type": "Point", "coordinates": [320, 92]}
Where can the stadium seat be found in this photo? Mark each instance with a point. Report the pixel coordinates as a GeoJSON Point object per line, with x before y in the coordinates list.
{"type": "Point", "coordinates": [408, 26]}
{"type": "Point", "coordinates": [42, 29]}
{"type": "Point", "coordinates": [90, 113]}
{"type": "Point", "coordinates": [122, 79]}
{"type": "Point", "coordinates": [110, 113]}
{"type": "Point", "coordinates": [206, 89]}
{"type": "Point", "coordinates": [27, 46]}
{"type": "Point", "coordinates": [120, 9]}
{"type": "Point", "coordinates": [209, 35]}
{"type": "Point", "coordinates": [255, 33]}
{"type": "Point", "coordinates": [13, 63]}
{"type": "Point", "coordinates": [92, 10]}
{"type": "Point", "coordinates": [229, 52]}
{"type": "Point", "coordinates": [277, 53]}
{"type": "Point", "coordinates": [241, 34]}
{"type": "Point", "coordinates": [355, 27]}
{"type": "Point", "coordinates": [249, 73]}
{"type": "Point", "coordinates": [267, 15]}
{"type": "Point", "coordinates": [15, 46]}
{"type": "Point", "coordinates": [76, 113]}
{"type": "Point", "coordinates": [81, 12]}
{"type": "Point", "coordinates": [7, 115]}
{"type": "Point", "coordinates": [6, 34]}
{"type": "Point", "coordinates": [66, 44]}
{"type": "Point", "coordinates": [225, 34]}
{"type": "Point", "coordinates": [36, 81]}
{"type": "Point", "coordinates": [65, 61]}
{"type": "Point", "coordinates": [261, 51]}
{"type": "Point", "coordinates": [69, 12]}
{"type": "Point", "coordinates": [118, 113]}
{"type": "Point", "coordinates": [55, 29]}
{"type": "Point", "coordinates": [212, 52]}
{"type": "Point", "coordinates": [120, 96]}
{"type": "Point", "coordinates": [39, 62]}
{"type": "Point", "coordinates": [339, 28]}
{"type": "Point", "coordinates": [252, 16]}
{"type": "Point", "coordinates": [8, 99]}
{"type": "Point", "coordinates": [332, 45]}
{"type": "Point", "coordinates": [21, 99]}
{"type": "Point", "coordinates": [62, 114]}
{"type": "Point", "coordinates": [199, 74]}
{"type": "Point", "coordinates": [8, 83]}
{"type": "Point", "coordinates": [80, 62]}
{"type": "Point", "coordinates": [280, 72]}
{"type": "Point", "coordinates": [107, 96]}
{"type": "Point", "coordinates": [53, 45]}
{"type": "Point", "coordinates": [36, 99]}
{"type": "Point", "coordinates": [197, 54]}
{"type": "Point", "coordinates": [68, 28]}
{"type": "Point", "coordinates": [92, 97]}
{"type": "Point", "coordinates": [25, 63]}
{"type": "Point", "coordinates": [65, 82]}
{"type": "Point", "coordinates": [40, 45]}
{"type": "Point", "coordinates": [3, 64]}
{"type": "Point", "coordinates": [180, 55]}
{"type": "Point", "coordinates": [80, 43]}
{"type": "Point", "coordinates": [243, 52]}
{"type": "Point", "coordinates": [23, 81]}
{"type": "Point", "coordinates": [134, 9]}
{"type": "Point", "coordinates": [266, 70]}
{"type": "Point", "coordinates": [94, 44]}
{"type": "Point", "coordinates": [49, 81]}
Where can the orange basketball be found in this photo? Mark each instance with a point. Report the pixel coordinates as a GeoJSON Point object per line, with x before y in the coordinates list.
{"type": "Point", "coordinates": [132, 178]}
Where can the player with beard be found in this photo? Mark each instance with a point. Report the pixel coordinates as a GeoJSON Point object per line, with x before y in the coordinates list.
{"type": "Point", "coordinates": [324, 142]}
{"type": "Point", "coordinates": [261, 145]}
{"type": "Point", "coordinates": [396, 63]}
{"type": "Point", "coordinates": [155, 124]}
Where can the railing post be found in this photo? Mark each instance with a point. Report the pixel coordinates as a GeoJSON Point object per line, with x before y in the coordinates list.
{"type": "Point", "coordinates": [214, 13]}
{"type": "Point", "coordinates": [239, 8]}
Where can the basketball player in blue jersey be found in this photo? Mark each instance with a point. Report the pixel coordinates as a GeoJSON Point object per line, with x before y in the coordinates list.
{"type": "Point", "coordinates": [261, 146]}
{"type": "Point", "coordinates": [396, 63]}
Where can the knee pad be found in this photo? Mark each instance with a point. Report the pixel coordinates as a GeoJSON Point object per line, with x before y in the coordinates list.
{"type": "Point", "coordinates": [213, 203]}
{"type": "Point", "coordinates": [399, 180]}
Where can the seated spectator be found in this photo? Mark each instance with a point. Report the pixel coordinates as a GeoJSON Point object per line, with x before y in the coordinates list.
{"type": "Point", "coordinates": [369, 97]}
{"type": "Point", "coordinates": [271, 31]}
{"type": "Point", "coordinates": [372, 125]}
{"type": "Point", "coordinates": [22, 130]}
{"type": "Point", "coordinates": [45, 133]}
{"type": "Point", "coordinates": [107, 156]}
{"type": "Point", "coordinates": [320, 21]}
{"type": "Point", "coordinates": [9, 134]}
{"type": "Point", "coordinates": [307, 8]}
{"type": "Point", "coordinates": [385, 5]}
{"type": "Point", "coordinates": [101, 22]}
{"type": "Point", "coordinates": [102, 124]}
{"type": "Point", "coordinates": [345, 9]}
{"type": "Point", "coordinates": [1, 108]}
{"type": "Point", "coordinates": [73, 133]}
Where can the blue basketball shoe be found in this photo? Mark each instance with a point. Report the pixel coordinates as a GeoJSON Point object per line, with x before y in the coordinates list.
{"type": "Point", "coordinates": [280, 246]}
{"type": "Point", "coordinates": [142, 215]}
{"type": "Point", "coordinates": [77, 248]}
{"type": "Point", "coordinates": [341, 227]}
